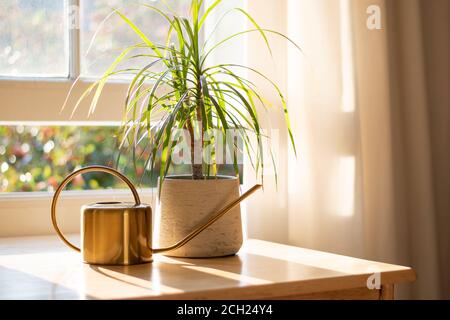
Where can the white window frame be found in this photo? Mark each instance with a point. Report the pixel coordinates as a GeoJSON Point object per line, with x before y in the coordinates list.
{"type": "Point", "coordinates": [18, 93]}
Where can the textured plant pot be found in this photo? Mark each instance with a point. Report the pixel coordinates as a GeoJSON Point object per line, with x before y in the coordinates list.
{"type": "Point", "coordinates": [185, 204]}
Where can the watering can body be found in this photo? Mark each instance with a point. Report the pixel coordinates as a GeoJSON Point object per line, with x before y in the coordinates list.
{"type": "Point", "coordinates": [120, 233]}
{"type": "Point", "coordinates": [114, 233]}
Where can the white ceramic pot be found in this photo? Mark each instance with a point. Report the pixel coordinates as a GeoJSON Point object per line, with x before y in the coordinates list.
{"type": "Point", "coordinates": [185, 204]}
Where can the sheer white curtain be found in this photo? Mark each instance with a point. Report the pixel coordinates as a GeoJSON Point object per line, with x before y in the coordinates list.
{"type": "Point", "coordinates": [317, 203]}
{"type": "Point", "coordinates": [363, 103]}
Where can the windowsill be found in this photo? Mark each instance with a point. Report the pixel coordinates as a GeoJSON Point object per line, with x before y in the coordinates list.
{"type": "Point", "coordinates": [59, 79]}
{"type": "Point", "coordinates": [28, 214]}
{"type": "Point", "coordinates": [8, 196]}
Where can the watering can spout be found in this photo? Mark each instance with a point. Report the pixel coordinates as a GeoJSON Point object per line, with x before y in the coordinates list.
{"type": "Point", "coordinates": [117, 233]}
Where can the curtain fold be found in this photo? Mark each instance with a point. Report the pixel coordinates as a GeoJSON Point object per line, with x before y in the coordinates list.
{"type": "Point", "coordinates": [371, 116]}
{"type": "Point", "coordinates": [436, 40]}
{"type": "Point", "coordinates": [402, 212]}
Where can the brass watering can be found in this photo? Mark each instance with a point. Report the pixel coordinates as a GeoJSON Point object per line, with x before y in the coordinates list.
{"type": "Point", "coordinates": [120, 233]}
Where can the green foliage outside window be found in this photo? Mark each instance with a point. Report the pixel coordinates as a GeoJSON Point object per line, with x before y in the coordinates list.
{"type": "Point", "coordinates": [38, 158]}
{"type": "Point", "coordinates": [34, 158]}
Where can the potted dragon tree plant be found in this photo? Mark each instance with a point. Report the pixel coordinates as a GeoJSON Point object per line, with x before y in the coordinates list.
{"type": "Point", "coordinates": [179, 98]}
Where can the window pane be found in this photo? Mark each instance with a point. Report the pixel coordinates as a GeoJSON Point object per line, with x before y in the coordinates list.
{"type": "Point", "coordinates": [34, 158]}
{"type": "Point", "coordinates": [115, 35]}
{"type": "Point", "coordinates": [33, 38]}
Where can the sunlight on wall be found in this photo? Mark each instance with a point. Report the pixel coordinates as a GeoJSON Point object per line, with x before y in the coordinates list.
{"type": "Point", "coordinates": [345, 188]}
{"type": "Point", "coordinates": [299, 165]}
{"type": "Point", "coordinates": [346, 167]}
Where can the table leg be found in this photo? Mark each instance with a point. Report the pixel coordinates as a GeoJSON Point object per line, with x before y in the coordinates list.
{"type": "Point", "coordinates": [387, 292]}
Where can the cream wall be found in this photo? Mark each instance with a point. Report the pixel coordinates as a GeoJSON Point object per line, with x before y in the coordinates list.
{"type": "Point", "coordinates": [267, 211]}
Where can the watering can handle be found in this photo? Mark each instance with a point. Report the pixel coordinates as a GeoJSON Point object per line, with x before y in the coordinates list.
{"type": "Point", "coordinates": [74, 174]}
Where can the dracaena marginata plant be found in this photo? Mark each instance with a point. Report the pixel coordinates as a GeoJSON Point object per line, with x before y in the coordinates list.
{"type": "Point", "coordinates": [197, 97]}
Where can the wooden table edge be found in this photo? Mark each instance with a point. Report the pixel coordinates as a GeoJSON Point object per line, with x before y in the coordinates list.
{"type": "Point", "coordinates": [292, 288]}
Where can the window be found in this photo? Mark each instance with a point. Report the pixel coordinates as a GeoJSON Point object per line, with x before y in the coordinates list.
{"type": "Point", "coordinates": [37, 35]}
{"type": "Point", "coordinates": [34, 158]}
{"type": "Point", "coordinates": [37, 158]}
{"type": "Point", "coordinates": [41, 53]}
{"type": "Point", "coordinates": [113, 35]}
{"type": "Point", "coordinates": [43, 43]}
{"type": "Point", "coordinates": [44, 46]}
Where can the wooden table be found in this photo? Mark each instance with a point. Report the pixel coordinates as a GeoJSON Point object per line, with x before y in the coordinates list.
{"type": "Point", "coordinates": [43, 268]}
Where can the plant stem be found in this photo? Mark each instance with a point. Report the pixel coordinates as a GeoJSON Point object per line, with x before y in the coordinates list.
{"type": "Point", "coordinates": [197, 171]}
{"type": "Point", "coordinates": [197, 168]}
